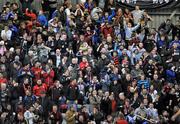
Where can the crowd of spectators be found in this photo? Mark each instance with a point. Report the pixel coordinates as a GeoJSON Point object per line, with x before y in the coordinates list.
{"type": "Point", "coordinates": [87, 64]}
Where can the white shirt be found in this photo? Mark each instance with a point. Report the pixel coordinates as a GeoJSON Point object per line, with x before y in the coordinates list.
{"type": "Point", "coordinates": [68, 12]}
{"type": "Point", "coordinates": [58, 60]}
{"type": "Point", "coordinates": [6, 35]}
{"type": "Point", "coordinates": [29, 117]}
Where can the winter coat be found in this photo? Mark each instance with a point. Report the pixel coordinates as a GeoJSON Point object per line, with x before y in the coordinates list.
{"type": "Point", "coordinates": [170, 75]}
{"type": "Point", "coordinates": [115, 88]}
{"type": "Point", "coordinates": [42, 20]}
{"type": "Point", "coordinates": [144, 83]}
{"type": "Point", "coordinates": [31, 15]}
{"type": "Point", "coordinates": [72, 92]}
{"type": "Point", "coordinates": [3, 80]}
{"type": "Point", "coordinates": [49, 77]}
{"type": "Point", "coordinates": [37, 73]}
{"type": "Point", "coordinates": [38, 89]}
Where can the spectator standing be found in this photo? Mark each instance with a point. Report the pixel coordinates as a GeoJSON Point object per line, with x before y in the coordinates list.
{"type": "Point", "coordinates": [26, 4]}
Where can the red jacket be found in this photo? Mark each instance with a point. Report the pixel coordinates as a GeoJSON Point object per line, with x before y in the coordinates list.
{"type": "Point", "coordinates": [37, 90]}
{"type": "Point", "coordinates": [37, 73]}
{"type": "Point", "coordinates": [121, 122]}
{"type": "Point", "coordinates": [31, 24]}
{"type": "Point", "coordinates": [106, 31]}
{"type": "Point", "coordinates": [49, 78]}
{"type": "Point", "coordinates": [116, 60]}
{"type": "Point", "coordinates": [31, 15]}
{"type": "Point", "coordinates": [88, 38]}
{"type": "Point", "coordinates": [113, 105]}
{"type": "Point", "coordinates": [83, 65]}
{"type": "Point", "coordinates": [3, 80]}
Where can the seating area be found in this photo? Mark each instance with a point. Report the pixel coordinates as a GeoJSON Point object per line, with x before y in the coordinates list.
{"type": "Point", "coordinates": [90, 62]}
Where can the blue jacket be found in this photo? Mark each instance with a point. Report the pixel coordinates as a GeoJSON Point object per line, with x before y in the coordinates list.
{"type": "Point", "coordinates": [173, 42]}
{"type": "Point", "coordinates": [170, 75]}
{"type": "Point", "coordinates": [143, 82]}
{"type": "Point", "coordinates": [161, 43]}
{"type": "Point", "coordinates": [29, 100]}
{"type": "Point", "coordinates": [88, 6]}
{"type": "Point", "coordinates": [13, 28]}
{"type": "Point", "coordinates": [96, 37]}
{"type": "Point", "coordinates": [109, 18]}
{"type": "Point", "coordinates": [9, 15]}
{"type": "Point", "coordinates": [42, 20]}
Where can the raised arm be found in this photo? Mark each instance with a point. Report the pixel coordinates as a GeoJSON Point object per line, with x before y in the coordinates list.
{"type": "Point", "coordinates": [175, 115]}
{"type": "Point", "coordinates": [82, 14]}
{"type": "Point", "coordinates": [135, 27]}
{"type": "Point", "coordinates": [112, 15]}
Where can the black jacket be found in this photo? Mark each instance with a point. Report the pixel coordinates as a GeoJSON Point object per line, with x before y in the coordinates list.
{"type": "Point", "coordinates": [106, 106]}
{"type": "Point", "coordinates": [72, 92]}
{"type": "Point", "coordinates": [115, 88]}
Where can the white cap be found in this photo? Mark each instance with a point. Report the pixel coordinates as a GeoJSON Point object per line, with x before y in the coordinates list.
{"type": "Point", "coordinates": [121, 94]}
{"type": "Point", "coordinates": [16, 58]}
{"type": "Point", "coordinates": [1, 42]}
{"type": "Point", "coordinates": [11, 49]}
